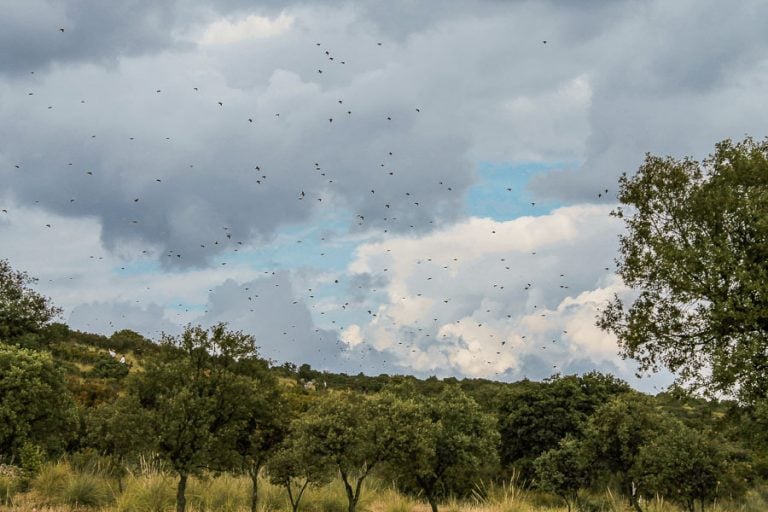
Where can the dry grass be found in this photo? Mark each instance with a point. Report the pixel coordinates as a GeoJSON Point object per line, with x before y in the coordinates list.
{"type": "Point", "coordinates": [58, 488]}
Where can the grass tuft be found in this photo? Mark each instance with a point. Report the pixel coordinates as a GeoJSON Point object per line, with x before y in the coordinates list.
{"type": "Point", "coordinates": [152, 493]}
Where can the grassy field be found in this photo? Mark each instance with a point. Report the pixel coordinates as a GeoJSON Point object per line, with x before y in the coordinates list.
{"type": "Point", "coordinates": [59, 488]}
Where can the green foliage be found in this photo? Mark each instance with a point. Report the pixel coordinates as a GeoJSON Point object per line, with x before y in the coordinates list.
{"type": "Point", "coordinates": [121, 430]}
{"type": "Point", "coordinates": [563, 471]}
{"type": "Point", "coordinates": [696, 250]}
{"type": "Point", "coordinates": [194, 398]}
{"type": "Point", "coordinates": [35, 405]}
{"type": "Point", "coordinates": [341, 428]}
{"type": "Point", "coordinates": [109, 368]}
{"type": "Point", "coordinates": [616, 433]}
{"type": "Point", "coordinates": [23, 311]}
{"type": "Point", "coordinates": [536, 416]}
{"type": "Point", "coordinates": [682, 465]}
{"type": "Point", "coordinates": [290, 468]}
{"type": "Point", "coordinates": [448, 444]}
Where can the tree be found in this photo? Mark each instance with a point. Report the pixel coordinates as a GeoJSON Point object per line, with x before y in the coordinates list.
{"type": "Point", "coordinates": [247, 444]}
{"type": "Point", "coordinates": [194, 396]}
{"type": "Point", "coordinates": [615, 434]}
{"type": "Point", "coordinates": [536, 416]}
{"type": "Point", "coordinates": [696, 253]}
{"type": "Point", "coordinates": [448, 450]}
{"type": "Point", "coordinates": [35, 405]}
{"type": "Point", "coordinates": [23, 311]}
{"type": "Point", "coordinates": [563, 471]}
{"type": "Point", "coordinates": [292, 469]}
{"type": "Point", "coordinates": [681, 464]}
{"type": "Point", "coordinates": [120, 430]}
{"type": "Point", "coordinates": [352, 431]}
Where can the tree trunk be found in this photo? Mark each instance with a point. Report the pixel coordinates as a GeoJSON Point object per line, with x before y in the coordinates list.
{"type": "Point", "coordinates": [351, 494]}
{"type": "Point", "coordinates": [181, 499]}
{"type": "Point", "coordinates": [432, 502]}
{"type": "Point", "coordinates": [254, 474]}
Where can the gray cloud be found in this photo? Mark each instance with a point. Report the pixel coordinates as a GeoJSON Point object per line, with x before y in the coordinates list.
{"type": "Point", "coordinates": [108, 317]}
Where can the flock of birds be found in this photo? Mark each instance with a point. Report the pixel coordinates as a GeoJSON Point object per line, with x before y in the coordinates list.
{"type": "Point", "coordinates": [437, 271]}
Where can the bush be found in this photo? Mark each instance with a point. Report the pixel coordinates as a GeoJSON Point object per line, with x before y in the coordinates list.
{"type": "Point", "coordinates": [109, 368]}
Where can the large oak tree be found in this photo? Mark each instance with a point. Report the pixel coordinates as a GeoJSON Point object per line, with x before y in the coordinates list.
{"type": "Point", "coordinates": [695, 251]}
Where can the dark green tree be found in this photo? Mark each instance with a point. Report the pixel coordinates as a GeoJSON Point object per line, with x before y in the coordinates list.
{"type": "Point", "coordinates": [262, 422]}
{"type": "Point", "coordinates": [35, 405]}
{"type": "Point", "coordinates": [696, 252]}
{"type": "Point", "coordinates": [614, 435]}
{"type": "Point", "coordinates": [451, 444]}
{"type": "Point", "coordinates": [121, 430]}
{"type": "Point", "coordinates": [682, 465]}
{"type": "Point", "coordinates": [536, 416]}
{"type": "Point", "coordinates": [564, 471]}
{"type": "Point", "coordinates": [23, 311]}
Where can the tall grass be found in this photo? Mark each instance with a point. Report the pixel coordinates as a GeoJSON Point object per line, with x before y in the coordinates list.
{"type": "Point", "coordinates": [59, 484]}
{"type": "Point", "coordinates": [9, 487]}
{"type": "Point", "coordinates": [147, 493]}
{"type": "Point", "coordinates": [58, 488]}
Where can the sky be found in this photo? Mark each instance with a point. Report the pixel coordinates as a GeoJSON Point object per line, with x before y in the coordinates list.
{"type": "Point", "coordinates": [377, 187]}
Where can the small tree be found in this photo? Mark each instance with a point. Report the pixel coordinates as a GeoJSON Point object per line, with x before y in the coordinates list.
{"type": "Point", "coordinates": [247, 444]}
{"type": "Point", "coordinates": [121, 429]}
{"type": "Point", "coordinates": [563, 471]}
{"type": "Point", "coordinates": [615, 434]}
{"type": "Point", "coordinates": [457, 439]}
{"type": "Point", "coordinates": [346, 429]}
{"type": "Point", "coordinates": [194, 396]}
{"type": "Point", "coordinates": [682, 465]}
{"type": "Point", "coordinates": [291, 468]}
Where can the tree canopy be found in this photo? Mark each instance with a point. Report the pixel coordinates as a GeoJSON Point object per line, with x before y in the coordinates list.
{"type": "Point", "coordinates": [23, 311]}
{"type": "Point", "coordinates": [696, 253]}
{"type": "Point", "coordinates": [36, 407]}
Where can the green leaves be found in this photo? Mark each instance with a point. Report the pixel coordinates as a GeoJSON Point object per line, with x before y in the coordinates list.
{"type": "Point", "coordinates": [35, 405]}
{"type": "Point", "coordinates": [696, 251]}
{"type": "Point", "coordinates": [22, 310]}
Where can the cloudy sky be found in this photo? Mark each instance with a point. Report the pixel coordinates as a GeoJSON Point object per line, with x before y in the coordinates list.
{"type": "Point", "coordinates": [364, 186]}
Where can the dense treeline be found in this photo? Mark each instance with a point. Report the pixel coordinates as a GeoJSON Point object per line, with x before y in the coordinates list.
{"type": "Point", "coordinates": [206, 402]}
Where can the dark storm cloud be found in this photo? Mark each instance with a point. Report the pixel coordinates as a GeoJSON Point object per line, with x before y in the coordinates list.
{"type": "Point", "coordinates": [187, 176]}
{"type": "Point", "coordinates": [93, 30]}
